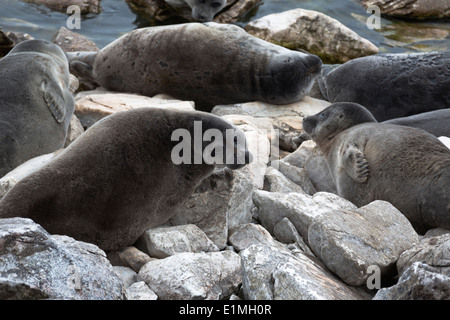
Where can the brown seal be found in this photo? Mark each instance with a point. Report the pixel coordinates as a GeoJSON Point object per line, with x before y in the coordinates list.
{"type": "Point", "coordinates": [120, 177]}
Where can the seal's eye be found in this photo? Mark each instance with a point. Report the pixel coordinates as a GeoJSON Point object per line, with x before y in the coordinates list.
{"type": "Point", "coordinates": [215, 4]}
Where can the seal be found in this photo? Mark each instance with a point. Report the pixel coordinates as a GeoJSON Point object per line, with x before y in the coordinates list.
{"type": "Point", "coordinates": [208, 63]}
{"type": "Point", "coordinates": [391, 85]}
{"type": "Point", "coordinates": [435, 122]}
{"type": "Point", "coordinates": [368, 161]}
{"type": "Point", "coordinates": [36, 102]}
{"type": "Point", "coordinates": [120, 177]}
{"type": "Point", "coordinates": [202, 10]}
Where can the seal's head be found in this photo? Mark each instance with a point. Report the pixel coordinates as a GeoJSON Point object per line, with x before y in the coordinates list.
{"type": "Point", "coordinates": [327, 124]}
{"type": "Point", "coordinates": [40, 46]}
{"type": "Point", "coordinates": [205, 10]}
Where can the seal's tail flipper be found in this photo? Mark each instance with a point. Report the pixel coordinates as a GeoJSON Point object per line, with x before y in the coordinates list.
{"type": "Point", "coordinates": [81, 64]}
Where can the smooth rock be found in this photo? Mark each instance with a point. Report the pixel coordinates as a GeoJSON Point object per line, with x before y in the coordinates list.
{"type": "Point", "coordinates": [300, 209]}
{"type": "Point", "coordinates": [193, 276]}
{"type": "Point", "coordinates": [350, 241]}
{"type": "Point", "coordinates": [446, 141]}
{"type": "Point", "coordinates": [140, 291]}
{"type": "Point", "coordinates": [269, 273]}
{"type": "Point", "coordinates": [314, 32]}
{"type": "Point", "coordinates": [134, 258]}
{"type": "Point", "coordinates": [418, 282]}
{"type": "Point", "coordinates": [35, 265]}
{"type": "Point", "coordinates": [91, 106]}
{"type": "Point", "coordinates": [412, 9]}
{"type": "Point", "coordinates": [126, 274]}
{"type": "Point", "coordinates": [163, 242]}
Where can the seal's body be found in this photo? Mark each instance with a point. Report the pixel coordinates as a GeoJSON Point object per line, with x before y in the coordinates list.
{"type": "Point", "coordinates": [116, 180]}
{"type": "Point", "coordinates": [369, 161]}
{"type": "Point", "coordinates": [210, 64]}
{"type": "Point", "coordinates": [35, 102]}
{"type": "Point", "coordinates": [436, 122]}
{"type": "Point", "coordinates": [391, 85]}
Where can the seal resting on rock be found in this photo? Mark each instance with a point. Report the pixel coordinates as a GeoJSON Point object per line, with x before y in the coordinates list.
{"type": "Point", "coordinates": [36, 104]}
{"type": "Point", "coordinates": [436, 122]}
{"type": "Point", "coordinates": [202, 10]}
{"type": "Point", "coordinates": [210, 64]}
{"type": "Point", "coordinates": [119, 178]}
{"type": "Point", "coordinates": [369, 161]}
{"type": "Point", "coordinates": [391, 85]}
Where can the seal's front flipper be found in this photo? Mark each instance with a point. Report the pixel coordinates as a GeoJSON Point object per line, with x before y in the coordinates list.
{"type": "Point", "coordinates": [54, 98]}
{"type": "Point", "coordinates": [81, 62]}
{"type": "Point", "coordinates": [355, 164]}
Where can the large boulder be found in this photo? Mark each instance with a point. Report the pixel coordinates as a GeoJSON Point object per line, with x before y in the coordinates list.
{"type": "Point", "coordinates": [193, 276]}
{"type": "Point", "coordinates": [37, 265]}
{"type": "Point", "coordinates": [314, 32]}
{"type": "Point", "coordinates": [352, 242]}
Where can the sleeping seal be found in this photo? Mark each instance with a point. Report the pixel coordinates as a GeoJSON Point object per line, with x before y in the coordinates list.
{"type": "Point", "coordinates": [391, 85]}
{"type": "Point", "coordinates": [210, 64]}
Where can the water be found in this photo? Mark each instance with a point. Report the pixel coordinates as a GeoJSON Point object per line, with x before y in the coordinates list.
{"type": "Point", "coordinates": [117, 18]}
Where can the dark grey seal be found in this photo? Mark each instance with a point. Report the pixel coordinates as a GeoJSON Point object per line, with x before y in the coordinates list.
{"type": "Point", "coordinates": [210, 64]}
{"type": "Point", "coordinates": [391, 85]}
{"type": "Point", "coordinates": [120, 178]}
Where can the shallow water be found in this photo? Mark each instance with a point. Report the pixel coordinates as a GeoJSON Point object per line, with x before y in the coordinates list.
{"type": "Point", "coordinates": [117, 18]}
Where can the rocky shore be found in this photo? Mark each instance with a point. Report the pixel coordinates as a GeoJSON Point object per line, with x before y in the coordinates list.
{"type": "Point", "coordinates": [273, 230]}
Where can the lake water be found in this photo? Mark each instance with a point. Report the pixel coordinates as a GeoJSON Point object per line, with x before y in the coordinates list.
{"type": "Point", "coordinates": [117, 18]}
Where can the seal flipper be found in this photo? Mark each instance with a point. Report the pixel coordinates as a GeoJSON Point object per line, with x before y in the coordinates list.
{"type": "Point", "coordinates": [355, 164]}
{"type": "Point", "coordinates": [81, 63]}
{"type": "Point", "coordinates": [53, 96]}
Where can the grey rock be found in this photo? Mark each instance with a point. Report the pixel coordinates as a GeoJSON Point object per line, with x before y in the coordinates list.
{"type": "Point", "coordinates": [300, 209]}
{"type": "Point", "coordinates": [350, 241]}
{"type": "Point", "coordinates": [243, 236]}
{"type": "Point", "coordinates": [222, 200]}
{"type": "Point", "coordinates": [314, 32]}
{"type": "Point", "coordinates": [285, 232]}
{"type": "Point", "coordinates": [193, 276]}
{"type": "Point", "coordinates": [419, 282]}
{"type": "Point", "coordinates": [275, 181]}
{"type": "Point", "coordinates": [126, 274]}
{"type": "Point", "coordinates": [140, 291]}
{"type": "Point", "coordinates": [270, 273]}
{"type": "Point", "coordinates": [162, 242]}
{"type": "Point", "coordinates": [35, 265]}
{"type": "Point", "coordinates": [433, 251]}
{"type": "Point", "coordinates": [296, 175]}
